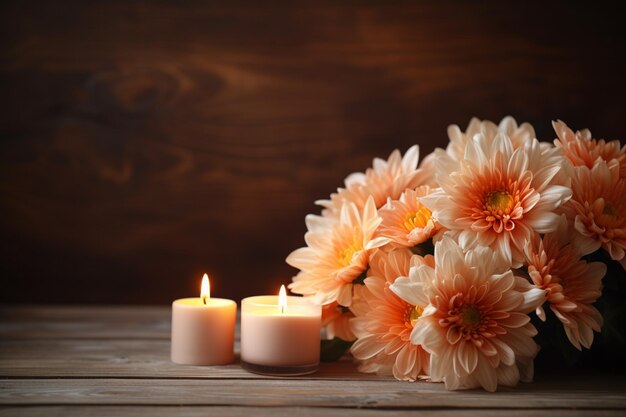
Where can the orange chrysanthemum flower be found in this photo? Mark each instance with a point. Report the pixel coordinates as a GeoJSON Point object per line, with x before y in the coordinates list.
{"type": "Point", "coordinates": [572, 284]}
{"type": "Point", "coordinates": [598, 208]}
{"type": "Point", "coordinates": [476, 326]}
{"type": "Point", "coordinates": [337, 252]}
{"type": "Point", "coordinates": [498, 196]}
{"type": "Point", "coordinates": [581, 149]}
{"type": "Point", "coordinates": [386, 179]}
{"type": "Point", "coordinates": [407, 221]}
{"type": "Point", "coordinates": [384, 321]}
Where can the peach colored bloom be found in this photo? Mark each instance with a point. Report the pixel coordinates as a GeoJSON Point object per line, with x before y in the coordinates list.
{"type": "Point", "coordinates": [338, 252]}
{"type": "Point", "coordinates": [386, 179]}
{"type": "Point", "coordinates": [498, 196]}
{"type": "Point", "coordinates": [572, 284]}
{"type": "Point", "coordinates": [598, 208]}
{"type": "Point", "coordinates": [336, 321]}
{"type": "Point", "coordinates": [519, 135]}
{"type": "Point", "coordinates": [476, 326]}
{"type": "Point", "coordinates": [582, 150]}
{"type": "Point", "coordinates": [407, 221]}
{"type": "Point", "coordinates": [384, 321]}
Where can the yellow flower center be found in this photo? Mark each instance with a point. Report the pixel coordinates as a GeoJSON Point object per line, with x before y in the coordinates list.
{"type": "Point", "coordinates": [412, 314]}
{"type": "Point", "coordinates": [470, 317]}
{"type": "Point", "coordinates": [344, 255]}
{"type": "Point", "coordinates": [419, 219]}
{"type": "Point", "coordinates": [499, 201]}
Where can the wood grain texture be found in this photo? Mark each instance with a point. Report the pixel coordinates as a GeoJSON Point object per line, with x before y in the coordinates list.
{"type": "Point", "coordinates": [144, 143]}
{"type": "Point", "coordinates": [103, 358]}
{"type": "Point", "coordinates": [201, 411]}
{"type": "Point", "coordinates": [120, 370]}
{"type": "Point", "coordinates": [598, 392]}
{"type": "Point", "coordinates": [82, 322]}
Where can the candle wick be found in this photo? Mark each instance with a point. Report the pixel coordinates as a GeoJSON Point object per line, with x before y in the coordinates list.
{"type": "Point", "coordinates": [204, 299]}
{"type": "Point", "coordinates": [282, 309]}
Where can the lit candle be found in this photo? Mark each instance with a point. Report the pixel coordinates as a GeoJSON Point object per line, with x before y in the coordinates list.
{"type": "Point", "coordinates": [280, 335]}
{"type": "Point", "coordinates": [203, 329]}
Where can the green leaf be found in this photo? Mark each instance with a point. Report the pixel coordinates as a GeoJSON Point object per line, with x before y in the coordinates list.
{"type": "Point", "coordinates": [332, 350]}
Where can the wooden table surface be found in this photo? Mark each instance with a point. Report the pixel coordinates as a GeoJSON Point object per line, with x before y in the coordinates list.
{"type": "Point", "coordinates": [105, 361]}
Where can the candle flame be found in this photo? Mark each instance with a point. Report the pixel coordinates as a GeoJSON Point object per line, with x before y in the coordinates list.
{"type": "Point", "coordinates": [205, 289]}
{"type": "Point", "coordinates": [282, 299]}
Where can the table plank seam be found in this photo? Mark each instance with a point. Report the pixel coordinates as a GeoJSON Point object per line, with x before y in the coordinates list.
{"type": "Point", "coordinates": [197, 378]}
{"type": "Point", "coordinates": [312, 406]}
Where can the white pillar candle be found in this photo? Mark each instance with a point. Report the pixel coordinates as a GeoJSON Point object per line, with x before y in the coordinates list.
{"type": "Point", "coordinates": [280, 335]}
{"type": "Point", "coordinates": [203, 329]}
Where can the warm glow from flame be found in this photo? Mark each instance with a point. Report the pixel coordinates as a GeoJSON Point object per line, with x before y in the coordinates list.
{"type": "Point", "coordinates": [205, 289]}
{"type": "Point", "coordinates": [282, 299]}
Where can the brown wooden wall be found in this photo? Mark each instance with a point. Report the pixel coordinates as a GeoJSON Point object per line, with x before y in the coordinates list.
{"type": "Point", "coordinates": [143, 143]}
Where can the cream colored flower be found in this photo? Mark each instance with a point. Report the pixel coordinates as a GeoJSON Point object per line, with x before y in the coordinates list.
{"type": "Point", "coordinates": [384, 321]}
{"type": "Point", "coordinates": [519, 135]}
{"type": "Point", "coordinates": [572, 284]}
{"type": "Point", "coordinates": [498, 196]}
{"type": "Point", "coordinates": [337, 252]}
{"type": "Point", "coordinates": [386, 179]}
{"type": "Point", "coordinates": [407, 221]}
{"type": "Point", "coordinates": [476, 326]}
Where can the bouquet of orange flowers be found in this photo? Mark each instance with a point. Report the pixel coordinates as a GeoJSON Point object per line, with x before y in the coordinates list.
{"type": "Point", "coordinates": [433, 270]}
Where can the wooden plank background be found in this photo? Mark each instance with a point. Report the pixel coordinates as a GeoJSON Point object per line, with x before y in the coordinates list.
{"type": "Point", "coordinates": [144, 143]}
